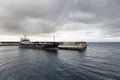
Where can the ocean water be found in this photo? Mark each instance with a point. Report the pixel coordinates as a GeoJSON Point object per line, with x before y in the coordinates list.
{"type": "Point", "coordinates": [101, 61]}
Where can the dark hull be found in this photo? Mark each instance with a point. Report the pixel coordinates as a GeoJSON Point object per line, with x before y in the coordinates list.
{"type": "Point", "coordinates": [40, 46]}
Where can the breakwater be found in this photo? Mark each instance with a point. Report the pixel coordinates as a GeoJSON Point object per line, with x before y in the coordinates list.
{"type": "Point", "coordinates": [62, 45]}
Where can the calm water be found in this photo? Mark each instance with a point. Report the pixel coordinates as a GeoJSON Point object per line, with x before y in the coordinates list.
{"type": "Point", "coordinates": [101, 61]}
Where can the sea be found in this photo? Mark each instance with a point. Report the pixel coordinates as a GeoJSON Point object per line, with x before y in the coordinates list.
{"type": "Point", "coordinates": [100, 61]}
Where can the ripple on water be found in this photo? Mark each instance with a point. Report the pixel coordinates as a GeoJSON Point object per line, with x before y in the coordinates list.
{"type": "Point", "coordinates": [93, 64]}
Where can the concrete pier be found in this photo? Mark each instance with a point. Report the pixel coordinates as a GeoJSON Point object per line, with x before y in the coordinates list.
{"type": "Point", "coordinates": [8, 43]}
{"type": "Point", "coordinates": [73, 46]}
{"type": "Point", "coordinates": [62, 45]}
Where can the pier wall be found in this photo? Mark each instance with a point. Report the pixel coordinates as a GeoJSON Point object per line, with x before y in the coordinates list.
{"type": "Point", "coordinates": [9, 43]}
{"type": "Point", "coordinates": [73, 45]}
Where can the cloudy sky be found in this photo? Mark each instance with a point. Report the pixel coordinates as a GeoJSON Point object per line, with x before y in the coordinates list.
{"type": "Point", "coordinates": [68, 20]}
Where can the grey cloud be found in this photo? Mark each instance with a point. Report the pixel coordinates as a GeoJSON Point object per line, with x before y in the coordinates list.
{"type": "Point", "coordinates": [20, 10]}
{"type": "Point", "coordinates": [112, 28]}
{"type": "Point", "coordinates": [48, 16]}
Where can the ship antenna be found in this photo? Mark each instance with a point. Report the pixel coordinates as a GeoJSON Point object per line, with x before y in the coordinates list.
{"type": "Point", "coordinates": [54, 38]}
{"type": "Point", "coordinates": [25, 36]}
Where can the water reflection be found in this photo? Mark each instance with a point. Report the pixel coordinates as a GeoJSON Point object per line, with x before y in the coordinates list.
{"type": "Point", "coordinates": [52, 51]}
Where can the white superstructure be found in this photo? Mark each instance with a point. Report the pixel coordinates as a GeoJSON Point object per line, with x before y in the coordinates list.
{"type": "Point", "coordinates": [25, 40]}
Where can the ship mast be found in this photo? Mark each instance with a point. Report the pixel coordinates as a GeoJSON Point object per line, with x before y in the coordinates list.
{"type": "Point", "coordinates": [25, 37]}
{"type": "Point", "coordinates": [54, 38]}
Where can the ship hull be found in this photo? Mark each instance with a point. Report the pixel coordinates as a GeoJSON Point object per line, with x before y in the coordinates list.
{"type": "Point", "coordinates": [50, 46]}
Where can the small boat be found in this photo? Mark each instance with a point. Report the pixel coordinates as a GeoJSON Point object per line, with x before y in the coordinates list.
{"type": "Point", "coordinates": [26, 43]}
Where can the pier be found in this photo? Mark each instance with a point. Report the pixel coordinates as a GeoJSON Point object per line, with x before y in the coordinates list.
{"type": "Point", "coordinates": [62, 45]}
{"type": "Point", "coordinates": [9, 43]}
{"type": "Point", "coordinates": [73, 46]}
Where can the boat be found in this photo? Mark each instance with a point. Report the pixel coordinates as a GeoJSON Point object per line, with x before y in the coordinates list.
{"type": "Point", "coordinates": [26, 43]}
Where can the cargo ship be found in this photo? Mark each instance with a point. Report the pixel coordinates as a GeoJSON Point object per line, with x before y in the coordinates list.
{"type": "Point", "coordinates": [26, 43]}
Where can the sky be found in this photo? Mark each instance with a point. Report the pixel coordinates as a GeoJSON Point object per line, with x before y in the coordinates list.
{"type": "Point", "coordinates": [68, 20]}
